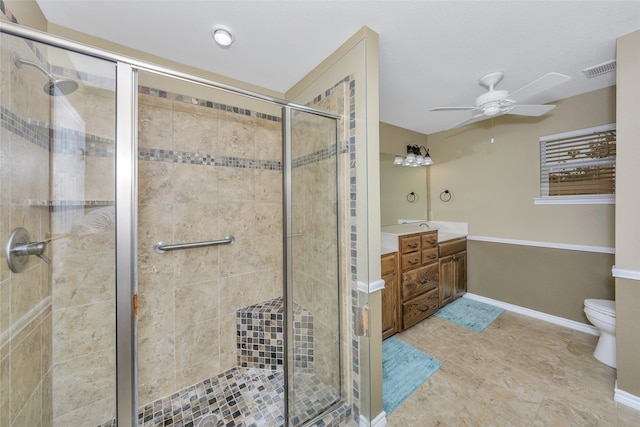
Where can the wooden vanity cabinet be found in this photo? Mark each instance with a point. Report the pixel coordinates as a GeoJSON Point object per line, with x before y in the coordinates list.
{"type": "Point", "coordinates": [390, 294]}
{"type": "Point", "coordinates": [419, 277]}
{"type": "Point", "coordinates": [453, 270]}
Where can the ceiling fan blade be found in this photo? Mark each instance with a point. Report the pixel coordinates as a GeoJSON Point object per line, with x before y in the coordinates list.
{"type": "Point", "coordinates": [538, 86]}
{"type": "Point", "coordinates": [452, 108]}
{"type": "Point", "coordinates": [530, 110]}
{"type": "Point", "coordinates": [468, 120]}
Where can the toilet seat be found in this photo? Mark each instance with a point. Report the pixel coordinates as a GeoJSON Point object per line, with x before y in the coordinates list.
{"type": "Point", "coordinates": [602, 306]}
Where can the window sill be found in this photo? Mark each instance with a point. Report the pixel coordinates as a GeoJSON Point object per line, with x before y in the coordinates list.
{"type": "Point", "coordinates": [599, 199]}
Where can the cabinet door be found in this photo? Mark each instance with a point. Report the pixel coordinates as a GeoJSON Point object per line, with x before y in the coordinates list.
{"type": "Point", "coordinates": [390, 298]}
{"type": "Point", "coordinates": [447, 279]}
{"type": "Point", "coordinates": [460, 268]}
{"type": "Point", "coordinates": [389, 305]}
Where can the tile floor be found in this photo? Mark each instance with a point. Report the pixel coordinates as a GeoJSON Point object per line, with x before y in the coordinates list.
{"type": "Point", "coordinates": [520, 371]}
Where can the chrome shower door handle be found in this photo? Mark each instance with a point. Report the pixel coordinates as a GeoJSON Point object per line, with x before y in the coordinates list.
{"type": "Point", "coordinates": [19, 247]}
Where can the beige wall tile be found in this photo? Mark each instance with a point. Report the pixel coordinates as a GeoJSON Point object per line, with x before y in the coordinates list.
{"type": "Point", "coordinates": [155, 183]}
{"type": "Point", "coordinates": [197, 305]}
{"type": "Point", "coordinates": [156, 312]}
{"type": "Point", "coordinates": [156, 360]}
{"type": "Point", "coordinates": [97, 331]}
{"type": "Point", "coordinates": [195, 132]}
{"type": "Point", "coordinates": [84, 380]}
{"type": "Point", "coordinates": [155, 127]}
{"type": "Point", "coordinates": [26, 371]}
{"type": "Point", "coordinates": [79, 280]}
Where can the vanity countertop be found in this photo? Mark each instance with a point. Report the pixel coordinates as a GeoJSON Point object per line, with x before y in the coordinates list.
{"type": "Point", "coordinates": [446, 231]}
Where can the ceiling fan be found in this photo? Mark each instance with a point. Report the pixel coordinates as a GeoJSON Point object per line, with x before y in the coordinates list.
{"type": "Point", "coordinates": [498, 102]}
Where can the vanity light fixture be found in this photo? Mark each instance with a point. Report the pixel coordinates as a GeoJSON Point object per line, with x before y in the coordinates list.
{"type": "Point", "coordinates": [222, 35]}
{"type": "Point", "coordinates": [414, 157]}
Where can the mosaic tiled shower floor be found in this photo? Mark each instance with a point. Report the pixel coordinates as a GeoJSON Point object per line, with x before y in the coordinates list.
{"type": "Point", "coordinates": [243, 397]}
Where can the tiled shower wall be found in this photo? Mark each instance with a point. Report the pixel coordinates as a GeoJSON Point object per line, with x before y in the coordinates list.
{"type": "Point", "coordinates": [57, 321]}
{"type": "Point", "coordinates": [25, 298]}
{"type": "Point", "coordinates": [205, 171]}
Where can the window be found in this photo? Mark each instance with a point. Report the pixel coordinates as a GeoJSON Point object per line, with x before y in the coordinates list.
{"type": "Point", "coordinates": [578, 167]}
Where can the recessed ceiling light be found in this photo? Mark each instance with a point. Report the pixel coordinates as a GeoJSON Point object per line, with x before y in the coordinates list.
{"type": "Point", "coordinates": [222, 35]}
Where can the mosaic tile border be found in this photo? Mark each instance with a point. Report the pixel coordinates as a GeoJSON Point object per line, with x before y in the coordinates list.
{"type": "Point", "coordinates": [174, 156]}
{"type": "Point", "coordinates": [206, 103]}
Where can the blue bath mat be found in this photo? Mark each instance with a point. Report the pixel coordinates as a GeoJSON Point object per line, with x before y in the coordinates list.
{"type": "Point", "coordinates": [404, 369]}
{"type": "Point", "coordinates": [469, 313]}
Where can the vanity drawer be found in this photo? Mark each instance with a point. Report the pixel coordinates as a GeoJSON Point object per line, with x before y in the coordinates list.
{"type": "Point", "coordinates": [429, 255]}
{"type": "Point", "coordinates": [453, 247]}
{"type": "Point", "coordinates": [411, 260]}
{"type": "Point", "coordinates": [430, 240]}
{"type": "Point", "coordinates": [409, 244]}
{"type": "Point", "coordinates": [420, 280]}
{"type": "Point", "coordinates": [419, 308]}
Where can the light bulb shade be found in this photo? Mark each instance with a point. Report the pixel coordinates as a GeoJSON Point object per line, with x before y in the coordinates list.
{"type": "Point", "coordinates": [419, 159]}
{"type": "Point", "coordinates": [222, 35]}
{"type": "Point", "coordinates": [411, 157]}
{"type": "Point", "coordinates": [427, 161]}
{"type": "Point", "coordinates": [398, 160]}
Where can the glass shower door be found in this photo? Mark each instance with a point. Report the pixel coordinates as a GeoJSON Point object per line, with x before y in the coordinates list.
{"type": "Point", "coordinates": [314, 295]}
{"type": "Point", "coordinates": [57, 272]}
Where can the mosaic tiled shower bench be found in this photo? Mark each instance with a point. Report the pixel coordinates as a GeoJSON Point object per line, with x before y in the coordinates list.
{"type": "Point", "coordinates": [260, 336]}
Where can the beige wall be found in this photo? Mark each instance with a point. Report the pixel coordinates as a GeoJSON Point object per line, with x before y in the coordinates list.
{"type": "Point", "coordinates": [627, 214]}
{"type": "Point", "coordinates": [552, 281]}
{"type": "Point", "coordinates": [396, 184]}
{"type": "Point", "coordinates": [394, 139]}
{"type": "Point", "coordinates": [494, 185]}
{"type": "Point", "coordinates": [397, 181]}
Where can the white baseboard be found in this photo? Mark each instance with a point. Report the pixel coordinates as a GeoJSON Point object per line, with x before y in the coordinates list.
{"type": "Point", "coordinates": [571, 324]}
{"type": "Point", "coordinates": [626, 398]}
{"type": "Point", "coordinates": [379, 421]}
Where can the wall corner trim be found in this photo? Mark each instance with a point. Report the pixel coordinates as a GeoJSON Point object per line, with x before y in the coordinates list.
{"type": "Point", "coordinates": [625, 398]}
{"type": "Point", "coordinates": [379, 421]}
{"type": "Point", "coordinates": [369, 288]}
{"type": "Point", "coordinates": [623, 273]}
{"type": "Point", "coordinates": [567, 323]}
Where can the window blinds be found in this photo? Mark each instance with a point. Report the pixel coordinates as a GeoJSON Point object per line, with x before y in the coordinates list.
{"type": "Point", "coordinates": [578, 163]}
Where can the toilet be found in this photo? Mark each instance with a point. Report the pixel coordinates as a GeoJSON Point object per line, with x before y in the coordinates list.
{"type": "Point", "coordinates": [602, 314]}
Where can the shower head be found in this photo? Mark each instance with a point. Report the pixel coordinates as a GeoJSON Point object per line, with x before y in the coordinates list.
{"type": "Point", "coordinates": [55, 86]}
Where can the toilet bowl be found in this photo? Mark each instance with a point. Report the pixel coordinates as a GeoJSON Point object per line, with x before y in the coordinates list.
{"type": "Point", "coordinates": [602, 314]}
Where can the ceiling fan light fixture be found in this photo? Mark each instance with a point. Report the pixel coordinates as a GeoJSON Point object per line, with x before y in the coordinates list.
{"type": "Point", "coordinates": [491, 110]}
{"type": "Point", "coordinates": [222, 35]}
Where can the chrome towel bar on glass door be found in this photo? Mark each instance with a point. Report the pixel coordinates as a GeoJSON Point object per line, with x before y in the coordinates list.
{"type": "Point", "coordinates": [162, 247]}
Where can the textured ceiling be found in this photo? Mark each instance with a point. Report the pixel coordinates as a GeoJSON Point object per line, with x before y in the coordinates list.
{"type": "Point", "coordinates": [432, 53]}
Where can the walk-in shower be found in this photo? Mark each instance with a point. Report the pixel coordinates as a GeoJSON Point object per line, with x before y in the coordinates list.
{"type": "Point", "coordinates": [190, 254]}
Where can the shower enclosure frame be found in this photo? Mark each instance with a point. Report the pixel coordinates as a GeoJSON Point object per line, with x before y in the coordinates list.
{"type": "Point", "coordinates": [126, 195]}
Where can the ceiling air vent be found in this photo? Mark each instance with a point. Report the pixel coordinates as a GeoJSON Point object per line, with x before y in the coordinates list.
{"type": "Point", "coordinates": [600, 69]}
